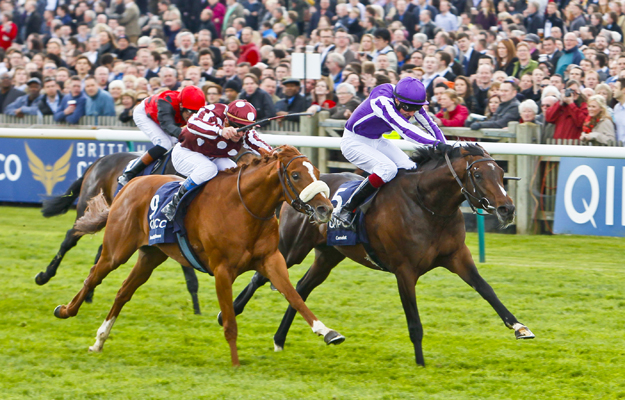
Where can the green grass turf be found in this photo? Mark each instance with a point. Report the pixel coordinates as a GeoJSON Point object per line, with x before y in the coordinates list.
{"type": "Point", "coordinates": [568, 290]}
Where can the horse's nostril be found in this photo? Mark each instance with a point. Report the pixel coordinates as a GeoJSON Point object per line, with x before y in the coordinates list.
{"type": "Point", "coordinates": [505, 210]}
{"type": "Point", "coordinates": [322, 210]}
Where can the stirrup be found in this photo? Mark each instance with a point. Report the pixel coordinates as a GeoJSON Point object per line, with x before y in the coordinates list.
{"type": "Point", "coordinates": [123, 180]}
{"type": "Point", "coordinates": [346, 218]}
{"type": "Point", "coordinates": [169, 211]}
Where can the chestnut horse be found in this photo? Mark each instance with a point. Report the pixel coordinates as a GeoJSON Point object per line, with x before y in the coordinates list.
{"type": "Point", "coordinates": [231, 227]}
{"type": "Point", "coordinates": [101, 176]}
{"type": "Point", "coordinates": [414, 225]}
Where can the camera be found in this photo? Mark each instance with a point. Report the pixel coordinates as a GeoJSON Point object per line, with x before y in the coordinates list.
{"type": "Point", "coordinates": [568, 93]}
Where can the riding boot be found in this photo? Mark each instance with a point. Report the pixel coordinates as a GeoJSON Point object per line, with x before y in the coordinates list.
{"type": "Point", "coordinates": [169, 211]}
{"type": "Point", "coordinates": [348, 211]}
{"type": "Point", "coordinates": [146, 159]}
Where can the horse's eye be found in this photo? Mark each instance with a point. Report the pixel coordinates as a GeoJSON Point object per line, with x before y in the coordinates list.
{"type": "Point", "coordinates": [478, 175]}
{"type": "Point", "coordinates": [295, 175]}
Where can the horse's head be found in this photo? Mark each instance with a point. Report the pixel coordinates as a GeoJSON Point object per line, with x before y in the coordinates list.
{"type": "Point", "coordinates": [302, 188]}
{"type": "Point", "coordinates": [484, 184]}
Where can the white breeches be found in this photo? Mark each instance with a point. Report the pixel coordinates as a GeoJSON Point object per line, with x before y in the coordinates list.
{"type": "Point", "coordinates": [196, 166]}
{"type": "Point", "coordinates": [151, 128]}
{"type": "Point", "coordinates": [376, 156]}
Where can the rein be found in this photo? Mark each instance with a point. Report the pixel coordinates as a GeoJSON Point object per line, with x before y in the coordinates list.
{"type": "Point", "coordinates": [483, 201]}
{"type": "Point", "coordinates": [285, 181]}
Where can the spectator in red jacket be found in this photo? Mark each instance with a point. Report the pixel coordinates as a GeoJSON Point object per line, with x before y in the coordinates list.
{"type": "Point", "coordinates": [452, 113]}
{"type": "Point", "coordinates": [8, 31]}
{"type": "Point", "coordinates": [248, 50]}
{"type": "Point", "coordinates": [569, 114]}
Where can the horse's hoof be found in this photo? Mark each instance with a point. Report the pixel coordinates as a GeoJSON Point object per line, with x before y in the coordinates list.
{"type": "Point", "coordinates": [524, 333]}
{"type": "Point", "coordinates": [333, 337]}
{"type": "Point", "coordinates": [197, 312]}
{"type": "Point", "coordinates": [95, 349]}
{"type": "Point", "coordinates": [277, 348]}
{"type": "Point", "coordinates": [89, 297]}
{"type": "Point", "coordinates": [220, 320]}
{"type": "Point", "coordinates": [40, 279]}
{"type": "Point", "coordinates": [57, 312]}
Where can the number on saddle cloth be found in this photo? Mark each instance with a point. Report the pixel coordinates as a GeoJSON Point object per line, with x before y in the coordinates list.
{"type": "Point", "coordinates": [337, 234]}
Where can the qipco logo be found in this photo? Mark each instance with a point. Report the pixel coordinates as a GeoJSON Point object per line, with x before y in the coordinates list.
{"type": "Point", "coordinates": [590, 205]}
{"type": "Point", "coordinates": [10, 167]}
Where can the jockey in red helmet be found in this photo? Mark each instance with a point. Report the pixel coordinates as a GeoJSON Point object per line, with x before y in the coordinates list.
{"type": "Point", "coordinates": [207, 143]}
{"type": "Point", "coordinates": [161, 117]}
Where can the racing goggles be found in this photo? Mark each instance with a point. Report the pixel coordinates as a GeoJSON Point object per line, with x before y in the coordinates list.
{"type": "Point", "coordinates": [410, 107]}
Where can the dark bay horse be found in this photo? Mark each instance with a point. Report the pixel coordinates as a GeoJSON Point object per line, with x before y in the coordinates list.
{"type": "Point", "coordinates": [101, 176]}
{"type": "Point", "coordinates": [414, 225]}
{"type": "Point", "coordinates": [231, 227]}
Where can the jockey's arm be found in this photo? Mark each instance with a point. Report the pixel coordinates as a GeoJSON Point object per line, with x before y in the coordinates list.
{"type": "Point", "coordinates": [166, 118]}
{"type": "Point", "coordinates": [384, 108]}
{"type": "Point", "coordinates": [252, 142]}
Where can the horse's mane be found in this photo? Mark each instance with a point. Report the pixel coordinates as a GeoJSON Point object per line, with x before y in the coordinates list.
{"type": "Point", "coordinates": [283, 150]}
{"type": "Point", "coordinates": [425, 154]}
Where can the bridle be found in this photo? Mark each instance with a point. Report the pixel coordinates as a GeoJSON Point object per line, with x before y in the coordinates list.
{"type": "Point", "coordinates": [288, 189]}
{"type": "Point", "coordinates": [470, 197]}
{"type": "Point", "coordinates": [483, 201]}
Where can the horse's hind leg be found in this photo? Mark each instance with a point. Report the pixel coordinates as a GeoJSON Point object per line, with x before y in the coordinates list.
{"type": "Point", "coordinates": [149, 259]}
{"type": "Point", "coordinates": [406, 282]}
{"type": "Point", "coordinates": [70, 241]}
{"type": "Point", "coordinates": [325, 260]}
{"type": "Point", "coordinates": [463, 265]}
{"type": "Point", "coordinates": [193, 285]}
{"type": "Point", "coordinates": [109, 261]}
{"type": "Point", "coordinates": [246, 295]}
{"type": "Point", "coordinates": [89, 297]}
{"type": "Point", "coordinates": [275, 269]}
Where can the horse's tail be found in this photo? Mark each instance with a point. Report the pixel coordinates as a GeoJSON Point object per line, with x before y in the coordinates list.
{"type": "Point", "coordinates": [95, 217]}
{"type": "Point", "coordinates": [60, 204]}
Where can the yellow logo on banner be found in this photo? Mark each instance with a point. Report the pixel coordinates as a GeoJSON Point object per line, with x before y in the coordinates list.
{"type": "Point", "coordinates": [49, 175]}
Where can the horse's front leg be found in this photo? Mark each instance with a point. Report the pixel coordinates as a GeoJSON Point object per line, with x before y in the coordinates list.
{"type": "Point", "coordinates": [274, 268]}
{"type": "Point", "coordinates": [246, 295]}
{"type": "Point", "coordinates": [223, 286]}
{"type": "Point", "coordinates": [462, 264]}
{"type": "Point", "coordinates": [406, 282]}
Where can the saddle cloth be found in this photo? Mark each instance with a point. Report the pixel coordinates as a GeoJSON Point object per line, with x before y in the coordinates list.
{"type": "Point", "coordinates": [337, 233]}
{"type": "Point", "coordinates": [163, 230]}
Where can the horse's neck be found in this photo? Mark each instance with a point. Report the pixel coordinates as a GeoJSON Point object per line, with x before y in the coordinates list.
{"type": "Point", "coordinates": [260, 188]}
{"type": "Point", "coordinates": [436, 188]}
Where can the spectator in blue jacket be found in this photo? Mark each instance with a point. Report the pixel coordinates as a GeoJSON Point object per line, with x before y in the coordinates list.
{"type": "Point", "coordinates": [27, 104]}
{"type": "Point", "coordinates": [73, 105]}
{"type": "Point", "coordinates": [99, 102]}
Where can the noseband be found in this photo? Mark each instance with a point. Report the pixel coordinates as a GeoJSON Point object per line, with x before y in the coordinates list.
{"type": "Point", "coordinates": [288, 189]}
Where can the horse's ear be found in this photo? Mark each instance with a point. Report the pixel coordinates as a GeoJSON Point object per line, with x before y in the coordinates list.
{"type": "Point", "coordinates": [264, 153]}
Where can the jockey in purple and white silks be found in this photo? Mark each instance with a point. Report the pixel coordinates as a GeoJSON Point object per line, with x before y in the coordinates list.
{"type": "Point", "coordinates": [388, 108]}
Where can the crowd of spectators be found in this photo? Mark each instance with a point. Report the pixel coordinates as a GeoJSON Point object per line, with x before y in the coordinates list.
{"type": "Point", "coordinates": [559, 64]}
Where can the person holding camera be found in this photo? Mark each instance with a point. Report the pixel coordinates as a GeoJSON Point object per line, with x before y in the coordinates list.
{"type": "Point", "coordinates": [568, 115]}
